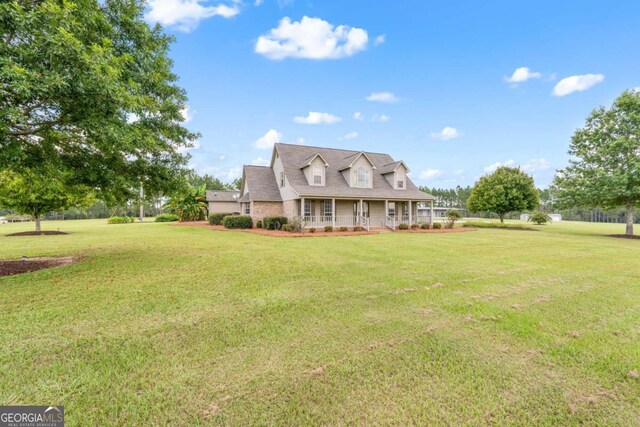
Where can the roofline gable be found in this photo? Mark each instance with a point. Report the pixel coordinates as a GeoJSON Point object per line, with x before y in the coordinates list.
{"type": "Point", "coordinates": [357, 156]}
{"type": "Point", "coordinates": [312, 158]}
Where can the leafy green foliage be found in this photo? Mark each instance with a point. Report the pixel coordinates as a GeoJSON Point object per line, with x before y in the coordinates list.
{"type": "Point", "coordinates": [453, 215]}
{"type": "Point", "coordinates": [450, 197]}
{"type": "Point", "coordinates": [424, 226]}
{"type": "Point", "coordinates": [486, 224]}
{"type": "Point", "coordinates": [437, 226]}
{"type": "Point", "coordinates": [237, 221]}
{"type": "Point", "coordinates": [38, 191]}
{"type": "Point", "coordinates": [604, 169]}
{"type": "Point", "coordinates": [505, 190]}
{"type": "Point", "coordinates": [539, 217]}
{"type": "Point", "coordinates": [274, 222]}
{"type": "Point", "coordinates": [259, 223]}
{"type": "Point", "coordinates": [167, 218]}
{"type": "Point", "coordinates": [343, 229]}
{"type": "Point", "coordinates": [287, 227]}
{"type": "Point", "coordinates": [403, 226]}
{"type": "Point", "coordinates": [217, 217]}
{"type": "Point", "coordinates": [189, 206]}
{"type": "Point", "coordinates": [90, 83]}
{"type": "Point", "coordinates": [120, 220]}
{"type": "Point", "coordinates": [209, 182]}
{"type": "Point", "coordinates": [328, 228]}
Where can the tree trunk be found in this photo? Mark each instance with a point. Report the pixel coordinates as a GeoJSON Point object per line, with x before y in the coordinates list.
{"type": "Point", "coordinates": [629, 217]}
{"type": "Point", "coordinates": [37, 219]}
{"type": "Point", "coordinates": [501, 217]}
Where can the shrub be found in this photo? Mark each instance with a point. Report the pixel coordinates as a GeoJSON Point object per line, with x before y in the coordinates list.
{"type": "Point", "coordinates": [480, 224]}
{"type": "Point", "coordinates": [358, 228]}
{"type": "Point", "coordinates": [452, 216]}
{"type": "Point", "coordinates": [328, 229]}
{"type": "Point", "coordinates": [166, 218]}
{"type": "Point", "coordinates": [437, 226]}
{"type": "Point", "coordinates": [403, 226]}
{"type": "Point", "coordinates": [415, 226]}
{"type": "Point", "coordinates": [287, 227]}
{"type": "Point", "coordinates": [425, 226]}
{"type": "Point", "coordinates": [120, 220]}
{"type": "Point", "coordinates": [237, 221]}
{"type": "Point", "coordinates": [312, 230]}
{"type": "Point", "coordinates": [343, 229]}
{"type": "Point", "coordinates": [274, 222]}
{"type": "Point", "coordinates": [296, 225]}
{"type": "Point", "coordinates": [539, 218]}
{"type": "Point", "coordinates": [216, 218]}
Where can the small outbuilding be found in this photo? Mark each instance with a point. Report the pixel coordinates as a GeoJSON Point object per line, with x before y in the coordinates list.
{"type": "Point", "coordinates": [223, 201]}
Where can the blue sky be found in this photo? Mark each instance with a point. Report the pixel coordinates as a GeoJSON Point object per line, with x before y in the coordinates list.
{"type": "Point", "coordinates": [439, 84]}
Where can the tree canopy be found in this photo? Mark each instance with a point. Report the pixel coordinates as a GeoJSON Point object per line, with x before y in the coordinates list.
{"type": "Point", "coordinates": [505, 190]}
{"type": "Point", "coordinates": [90, 83]}
{"type": "Point", "coordinates": [604, 169]}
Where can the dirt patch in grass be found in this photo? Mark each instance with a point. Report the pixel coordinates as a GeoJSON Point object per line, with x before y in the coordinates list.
{"type": "Point", "coordinates": [623, 236]}
{"type": "Point", "coordinates": [18, 266]}
{"type": "Point", "coordinates": [37, 233]}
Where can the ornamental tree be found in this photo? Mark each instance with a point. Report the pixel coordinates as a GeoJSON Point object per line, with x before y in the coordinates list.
{"type": "Point", "coordinates": [604, 169]}
{"type": "Point", "coordinates": [505, 190]}
{"type": "Point", "coordinates": [90, 83]}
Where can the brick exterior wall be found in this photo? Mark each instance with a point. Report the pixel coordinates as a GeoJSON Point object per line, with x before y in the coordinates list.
{"type": "Point", "coordinates": [261, 209]}
{"type": "Point", "coordinates": [291, 208]}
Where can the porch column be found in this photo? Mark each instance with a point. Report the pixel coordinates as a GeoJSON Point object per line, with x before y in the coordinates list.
{"type": "Point", "coordinates": [333, 212]}
{"type": "Point", "coordinates": [410, 212]}
{"type": "Point", "coordinates": [386, 210]}
{"type": "Point", "coordinates": [431, 214]}
{"type": "Point", "coordinates": [302, 207]}
{"type": "Point", "coordinates": [361, 212]}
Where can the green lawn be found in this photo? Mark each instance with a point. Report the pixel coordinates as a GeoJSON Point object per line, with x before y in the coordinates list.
{"type": "Point", "coordinates": [173, 325]}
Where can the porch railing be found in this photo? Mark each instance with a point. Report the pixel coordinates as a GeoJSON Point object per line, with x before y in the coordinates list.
{"type": "Point", "coordinates": [323, 221]}
{"type": "Point", "coordinates": [390, 222]}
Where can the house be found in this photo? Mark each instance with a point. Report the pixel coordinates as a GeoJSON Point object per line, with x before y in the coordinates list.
{"type": "Point", "coordinates": [327, 186]}
{"type": "Point", "coordinates": [223, 201]}
{"type": "Point", "coordinates": [438, 211]}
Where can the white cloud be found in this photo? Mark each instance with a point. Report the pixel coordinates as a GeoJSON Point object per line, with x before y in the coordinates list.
{"type": "Point", "coordinates": [430, 173]}
{"type": "Point", "coordinates": [358, 115]}
{"type": "Point", "coordinates": [379, 40]}
{"type": "Point", "coordinates": [187, 115]}
{"type": "Point", "coordinates": [316, 118]}
{"type": "Point", "coordinates": [300, 141]}
{"type": "Point", "coordinates": [311, 38]}
{"type": "Point", "coordinates": [536, 165]}
{"type": "Point", "coordinates": [522, 74]}
{"type": "Point", "coordinates": [223, 174]}
{"type": "Point", "coordinates": [577, 83]}
{"type": "Point", "coordinates": [266, 142]}
{"type": "Point", "coordinates": [258, 2]}
{"type": "Point", "coordinates": [195, 146]}
{"type": "Point", "coordinates": [387, 97]}
{"type": "Point", "coordinates": [260, 162]}
{"type": "Point", "coordinates": [492, 167]}
{"type": "Point", "coordinates": [458, 172]}
{"type": "Point", "coordinates": [446, 134]}
{"type": "Point", "coordinates": [222, 157]}
{"type": "Point", "coordinates": [380, 118]}
{"type": "Point", "coordinates": [350, 135]}
{"type": "Point", "coordinates": [185, 15]}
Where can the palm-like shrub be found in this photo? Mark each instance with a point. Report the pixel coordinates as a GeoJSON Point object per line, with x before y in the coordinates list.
{"type": "Point", "coordinates": [190, 206]}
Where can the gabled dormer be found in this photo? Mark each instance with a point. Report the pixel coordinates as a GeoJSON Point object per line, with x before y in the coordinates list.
{"type": "Point", "coordinates": [396, 174]}
{"type": "Point", "coordinates": [357, 170]}
{"type": "Point", "coordinates": [315, 170]}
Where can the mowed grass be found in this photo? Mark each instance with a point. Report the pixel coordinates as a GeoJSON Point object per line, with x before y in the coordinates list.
{"type": "Point", "coordinates": [162, 324]}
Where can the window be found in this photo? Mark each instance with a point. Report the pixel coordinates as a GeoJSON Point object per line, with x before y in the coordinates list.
{"type": "Point", "coordinates": [400, 176]}
{"type": "Point", "coordinates": [400, 183]}
{"type": "Point", "coordinates": [328, 209]}
{"type": "Point", "coordinates": [391, 209]}
{"type": "Point", "coordinates": [281, 179]}
{"type": "Point", "coordinates": [247, 208]}
{"type": "Point", "coordinates": [362, 177]}
{"type": "Point", "coordinates": [317, 175]}
{"type": "Point", "coordinates": [308, 208]}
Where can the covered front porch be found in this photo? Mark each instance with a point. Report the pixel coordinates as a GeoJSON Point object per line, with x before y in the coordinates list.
{"type": "Point", "coordinates": [367, 213]}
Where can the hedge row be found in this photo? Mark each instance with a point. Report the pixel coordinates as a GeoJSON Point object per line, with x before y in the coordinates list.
{"type": "Point", "coordinates": [237, 221]}
{"type": "Point", "coordinates": [217, 217]}
{"type": "Point", "coordinates": [167, 217]}
{"type": "Point", "coordinates": [120, 220]}
{"type": "Point", "coordinates": [274, 222]}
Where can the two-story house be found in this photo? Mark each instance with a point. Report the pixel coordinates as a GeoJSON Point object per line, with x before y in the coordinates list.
{"type": "Point", "coordinates": [328, 186]}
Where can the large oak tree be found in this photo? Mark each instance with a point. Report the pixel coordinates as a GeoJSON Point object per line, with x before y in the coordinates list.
{"type": "Point", "coordinates": [604, 169]}
{"type": "Point", "coordinates": [90, 84]}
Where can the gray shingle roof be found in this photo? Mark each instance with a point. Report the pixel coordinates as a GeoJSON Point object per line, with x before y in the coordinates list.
{"type": "Point", "coordinates": [262, 183]}
{"type": "Point", "coordinates": [391, 167]}
{"type": "Point", "coordinates": [336, 186]}
{"type": "Point", "coordinates": [223, 196]}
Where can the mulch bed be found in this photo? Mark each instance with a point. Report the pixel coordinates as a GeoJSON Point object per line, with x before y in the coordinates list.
{"type": "Point", "coordinates": [318, 233]}
{"type": "Point", "coordinates": [37, 233]}
{"type": "Point", "coordinates": [623, 236]}
{"type": "Point", "coordinates": [17, 266]}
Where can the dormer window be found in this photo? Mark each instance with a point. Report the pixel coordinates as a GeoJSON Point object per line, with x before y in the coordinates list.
{"type": "Point", "coordinates": [317, 175]}
{"type": "Point", "coordinates": [363, 176]}
{"type": "Point", "coordinates": [400, 183]}
{"type": "Point", "coordinates": [401, 178]}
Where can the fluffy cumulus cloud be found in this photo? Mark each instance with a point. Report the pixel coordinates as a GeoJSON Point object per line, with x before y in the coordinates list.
{"type": "Point", "coordinates": [187, 114]}
{"type": "Point", "coordinates": [311, 38]}
{"type": "Point", "coordinates": [492, 167]}
{"type": "Point", "coordinates": [534, 165]}
{"type": "Point", "coordinates": [446, 134]}
{"type": "Point", "coordinates": [430, 173]}
{"type": "Point", "coordinates": [194, 146]}
{"type": "Point", "coordinates": [316, 118]}
{"type": "Point", "coordinates": [358, 115]}
{"type": "Point", "coordinates": [185, 15]}
{"type": "Point", "coordinates": [260, 162]}
{"type": "Point", "coordinates": [577, 83]}
{"type": "Point", "coordinates": [522, 74]}
{"type": "Point", "coordinates": [266, 142]}
{"type": "Point", "coordinates": [379, 40]}
{"type": "Point", "coordinates": [222, 157]}
{"type": "Point", "coordinates": [387, 97]}
{"type": "Point", "coordinates": [380, 118]}
{"type": "Point", "coordinates": [350, 135]}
